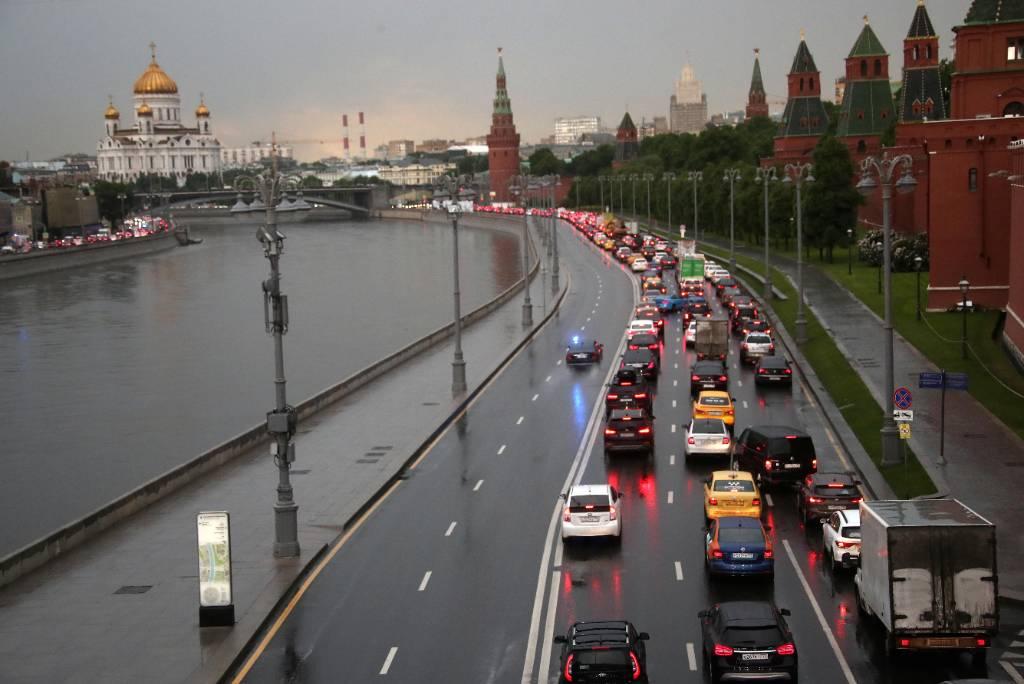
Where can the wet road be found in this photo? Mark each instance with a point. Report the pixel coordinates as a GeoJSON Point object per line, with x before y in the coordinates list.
{"type": "Point", "coordinates": [459, 575]}
{"type": "Point", "coordinates": [115, 373]}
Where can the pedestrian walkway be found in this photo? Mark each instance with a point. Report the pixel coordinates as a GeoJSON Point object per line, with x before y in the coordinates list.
{"type": "Point", "coordinates": [124, 607]}
{"type": "Point", "coordinates": [985, 459]}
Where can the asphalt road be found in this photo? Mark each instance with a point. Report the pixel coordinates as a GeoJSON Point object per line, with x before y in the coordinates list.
{"type": "Point", "coordinates": [459, 574]}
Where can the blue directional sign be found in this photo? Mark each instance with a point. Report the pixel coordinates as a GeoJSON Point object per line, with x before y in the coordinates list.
{"type": "Point", "coordinates": [930, 381]}
{"type": "Point", "coordinates": [902, 398]}
{"type": "Point", "coordinates": [957, 381]}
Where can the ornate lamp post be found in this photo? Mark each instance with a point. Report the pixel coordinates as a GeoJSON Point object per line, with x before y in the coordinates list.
{"type": "Point", "coordinates": [695, 177]}
{"type": "Point", "coordinates": [283, 420]}
{"type": "Point", "coordinates": [965, 287]}
{"type": "Point", "coordinates": [766, 176]}
{"type": "Point", "coordinates": [731, 176]}
{"type": "Point", "coordinates": [885, 169]}
{"type": "Point", "coordinates": [122, 197]}
{"type": "Point", "coordinates": [669, 178]}
{"type": "Point", "coordinates": [519, 188]}
{"type": "Point", "coordinates": [553, 186]}
{"type": "Point", "coordinates": [648, 177]}
{"type": "Point", "coordinates": [458, 362]}
{"type": "Point", "coordinates": [797, 174]}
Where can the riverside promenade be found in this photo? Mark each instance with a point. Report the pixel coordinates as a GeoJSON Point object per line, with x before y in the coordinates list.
{"type": "Point", "coordinates": [123, 607]}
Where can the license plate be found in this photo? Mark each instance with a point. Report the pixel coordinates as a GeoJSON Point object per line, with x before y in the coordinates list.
{"type": "Point", "coordinates": [582, 356]}
{"type": "Point", "coordinates": [708, 385]}
{"type": "Point", "coordinates": [706, 442]}
{"type": "Point", "coordinates": [627, 434]}
{"type": "Point", "coordinates": [775, 377]}
{"type": "Point", "coordinates": [791, 466]}
{"type": "Point", "coordinates": [589, 518]}
{"type": "Point", "coordinates": [836, 508]}
{"type": "Point", "coordinates": [743, 556]}
{"type": "Point", "coordinates": [714, 413]}
{"type": "Point", "coordinates": [753, 656]}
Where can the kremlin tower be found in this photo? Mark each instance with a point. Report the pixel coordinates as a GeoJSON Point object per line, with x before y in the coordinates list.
{"type": "Point", "coordinates": [502, 141]}
{"type": "Point", "coordinates": [627, 148]}
{"type": "Point", "coordinates": [867, 109]}
{"type": "Point", "coordinates": [922, 87]}
{"type": "Point", "coordinates": [757, 100]}
{"type": "Point", "coordinates": [805, 119]}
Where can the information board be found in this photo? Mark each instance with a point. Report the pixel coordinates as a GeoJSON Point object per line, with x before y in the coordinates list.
{"type": "Point", "coordinates": [214, 543]}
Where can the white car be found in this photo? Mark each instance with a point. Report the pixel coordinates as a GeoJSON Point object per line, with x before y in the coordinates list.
{"type": "Point", "coordinates": [707, 436]}
{"type": "Point", "coordinates": [661, 246]}
{"type": "Point", "coordinates": [639, 265]}
{"type": "Point", "coordinates": [710, 266]}
{"type": "Point", "coordinates": [840, 537]}
{"type": "Point", "coordinates": [754, 346]}
{"type": "Point", "coordinates": [592, 511]}
{"type": "Point", "coordinates": [719, 274]}
{"type": "Point", "coordinates": [691, 335]}
{"type": "Point", "coordinates": [641, 326]}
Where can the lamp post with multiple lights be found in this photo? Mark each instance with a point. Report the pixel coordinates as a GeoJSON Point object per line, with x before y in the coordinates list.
{"type": "Point", "coordinates": [766, 176]}
{"type": "Point", "coordinates": [695, 177]}
{"type": "Point", "coordinates": [797, 174]}
{"type": "Point", "coordinates": [669, 178]}
{"type": "Point", "coordinates": [731, 176]}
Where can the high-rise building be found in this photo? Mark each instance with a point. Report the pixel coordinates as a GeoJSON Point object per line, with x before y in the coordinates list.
{"type": "Point", "coordinates": [627, 148]}
{"type": "Point", "coordinates": [868, 108]}
{"type": "Point", "coordinates": [805, 119]}
{"type": "Point", "coordinates": [399, 149]}
{"type": "Point", "coordinates": [688, 106]}
{"type": "Point", "coordinates": [569, 130]}
{"type": "Point", "coordinates": [503, 140]}
{"type": "Point", "coordinates": [757, 99]}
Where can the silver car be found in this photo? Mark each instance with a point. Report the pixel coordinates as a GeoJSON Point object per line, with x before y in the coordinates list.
{"type": "Point", "coordinates": [755, 345]}
{"type": "Point", "coordinates": [707, 436]}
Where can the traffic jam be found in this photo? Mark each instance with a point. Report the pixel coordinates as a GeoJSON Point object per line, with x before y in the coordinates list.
{"type": "Point", "coordinates": [693, 313]}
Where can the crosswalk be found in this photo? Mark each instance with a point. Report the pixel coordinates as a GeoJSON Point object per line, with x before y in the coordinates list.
{"type": "Point", "coordinates": [1012, 660]}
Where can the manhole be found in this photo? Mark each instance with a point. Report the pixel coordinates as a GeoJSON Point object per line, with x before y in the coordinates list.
{"type": "Point", "coordinates": [367, 460]}
{"type": "Point", "coordinates": [134, 589]}
{"type": "Point", "coordinates": [301, 472]}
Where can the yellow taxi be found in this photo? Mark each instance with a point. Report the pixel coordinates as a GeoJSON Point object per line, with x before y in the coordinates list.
{"type": "Point", "coordinates": [608, 245]}
{"type": "Point", "coordinates": [731, 493]}
{"type": "Point", "coordinates": [715, 404]}
{"type": "Point", "coordinates": [653, 283]}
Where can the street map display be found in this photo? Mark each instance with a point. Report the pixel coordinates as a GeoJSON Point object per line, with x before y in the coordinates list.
{"type": "Point", "coordinates": [214, 544]}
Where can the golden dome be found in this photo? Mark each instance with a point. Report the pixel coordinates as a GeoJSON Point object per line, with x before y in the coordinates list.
{"type": "Point", "coordinates": [111, 112]}
{"type": "Point", "coordinates": [154, 80]}
{"type": "Point", "coordinates": [202, 109]}
{"type": "Point", "coordinates": [144, 110]}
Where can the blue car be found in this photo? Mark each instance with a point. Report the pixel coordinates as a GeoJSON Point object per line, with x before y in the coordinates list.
{"type": "Point", "coordinates": [671, 303]}
{"type": "Point", "coordinates": [738, 546]}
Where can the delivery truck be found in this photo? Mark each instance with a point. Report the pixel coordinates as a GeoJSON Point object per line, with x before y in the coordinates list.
{"type": "Point", "coordinates": [711, 339]}
{"type": "Point", "coordinates": [928, 574]}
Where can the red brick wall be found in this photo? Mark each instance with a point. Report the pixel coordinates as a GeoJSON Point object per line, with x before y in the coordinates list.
{"type": "Point", "coordinates": [985, 82]}
{"type": "Point", "coordinates": [1014, 331]}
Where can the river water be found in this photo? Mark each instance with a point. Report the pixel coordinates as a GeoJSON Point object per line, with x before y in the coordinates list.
{"type": "Point", "coordinates": [112, 374]}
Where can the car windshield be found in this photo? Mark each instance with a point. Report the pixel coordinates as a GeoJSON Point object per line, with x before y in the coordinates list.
{"type": "Point", "coordinates": [758, 339]}
{"type": "Point", "coordinates": [588, 501]}
{"type": "Point", "coordinates": [740, 535]}
{"type": "Point", "coordinates": [782, 447]}
{"type": "Point", "coordinates": [752, 637]}
{"type": "Point", "coordinates": [733, 486]}
{"type": "Point", "coordinates": [714, 401]}
{"type": "Point", "coordinates": [835, 489]}
{"type": "Point", "coordinates": [773, 362]}
{"type": "Point", "coordinates": [601, 658]}
{"type": "Point", "coordinates": [851, 532]}
{"type": "Point", "coordinates": [708, 427]}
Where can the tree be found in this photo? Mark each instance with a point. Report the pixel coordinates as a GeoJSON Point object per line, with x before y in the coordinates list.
{"type": "Point", "coordinates": [832, 110]}
{"type": "Point", "coordinates": [543, 162]}
{"type": "Point", "coordinates": [946, 69]}
{"type": "Point", "coordinates": [311, 182]}
{"type": "Point", "coordinates": [108, 202]}
{"type": "Point", "coordinates": [831, 203]}
{"type": "Point", "coordinates": [472, 164]}
{"type": "Point", "coordinates": [592, 162]}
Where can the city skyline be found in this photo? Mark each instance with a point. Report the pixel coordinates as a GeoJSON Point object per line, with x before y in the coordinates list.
{"type": "Point", "coordinates": [402, 65]}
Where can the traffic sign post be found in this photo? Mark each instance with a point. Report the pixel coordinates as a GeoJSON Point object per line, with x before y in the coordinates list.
{"type": "Point", "coordinates": [903, 415]}
{"type": "Point", "coordinates": [941, 381]}
{"type": "Point", "coordinates": [902, 398]}
{"type": "Point", "coordinates": [904, 430]}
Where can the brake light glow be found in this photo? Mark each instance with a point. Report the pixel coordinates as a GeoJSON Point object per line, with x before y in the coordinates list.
{"type": "Point", "coordinates": [767, 465]}
{"type": "Point", "coordinates": [904, 643]}
{"type": "Point", "coordinates": [755, 502]}
{"type": "Point", "coordinates": [789, 371]}
{"type": "Point", "coordinates": [650, 365]}
{"type": "Point", "coordinates": [717, 553]}
{"type": "Point", "coordinates": [640, 395]}
{"type": "Point", "coordinates": [644, 431]}
{"type": "Point", "coordinates": [981, 641]}
{"type": "Point", "coordinates": [814, 465]}
{"type": "Point", "coordinates": [589, 507]}
{"type": "Point", "coordinates": [856, 499]}
{"type": "Point", "coordinates": [846, 545]}
{"type": "Point", "coordinates": [636, 665]}
{"type": "Point", "coordinates": [835, 485]}
{"type": "Point", "coordinates": [613, 397]}
{"type": "Point", "coordinates": [722, 649]}
{"type": "Point", "coordinates": [762, 371]}
{"type": "Point", "coordinates": [723, 378]}
{"type": "Point", "coordinates": [731, 412]}
{"type": "Point", "coordinates": [566, 516]}
{"type": "Point", "coordinates": [610, 431]}
{"type": "Point", "coordinates": [712, 501]}
{"type": "Point", "coordinates": [814, 499]}
{"type": "Point", "coordinates": [567, 674]}
{"type": "Point", "coordinates": [768, 553]}
{"type": "Point", "coordinates": [695, 378]}
{"type": "Point", "coordinates": [791, 436]}
{"type": "Point", "coordinates": [786, 649]}
{"type": "Point", "coordinates": [690, 440]}
{"type": "Point", "coordinates": [725, 440]}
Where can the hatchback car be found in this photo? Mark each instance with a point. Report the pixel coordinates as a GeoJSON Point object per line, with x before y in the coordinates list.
{"type": "Point", "coordinates": [580, 351]}
{"type": "Point", "coordinates": [644, 341]}
{"type": "Point", "coordinates": [840, 539]}
{"type": "Point", "coordinates": [731, 493]}
{"type": "Point", "coordinates": [629, 430]}
{"type": "Point", "coordinates": [738, 546]}
{"type": "Point", "coordinates": [643, 361]}
{"type": "Point", "coordinates": [775, 454]}
{"type": "Point", "coordinates": [605, 652]}
{"type": "Point", "coordinates": [708, 375]}
{"type": "Point", "coordinates": [707, 437]}
{"type": "Point", "coordinates": [714, 404]}
{"type": "Point", "coordinates": [628, 389]}
{"type": "Point", "coordinates": [747, 640]}
{"type": "Point", "coordinates": [773, 370]}
{"type": "Point", "coordinates": [592, 511]}
{"type": "Point", "coordinates": [641, 326]}
{"type": "Point", "coordinates": [690, 338]}
{"type": "Point", "coordinates": [754, 346]}
{"type": "Point", "coordinates": [821, 494]}
{"type": "Point", "coordinates": [639, 265]}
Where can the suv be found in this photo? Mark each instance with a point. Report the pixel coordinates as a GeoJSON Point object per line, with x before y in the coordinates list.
{"type": "Point", "coordinates": [742, 314]}
{"type": "Point", "coordinates": [606, 651]}
{"type": "Point", "coordinates": [747, 640]}
{"type": "Point", "coordinates": [708, 375]}
{"type": "Point", "coordinates": [628, 389]}
{"type": "Point", "coordinates": [775, 454]}
{"type": "Point", "coordinates": [756, 345]}
{"type": "Point", "coordinates": [629, 430]}
{"type": "Point", "coordinates": [821, 494]}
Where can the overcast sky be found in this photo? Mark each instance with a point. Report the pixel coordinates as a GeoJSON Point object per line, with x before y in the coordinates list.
{"type": "Point", "coordinates": [418, 69]}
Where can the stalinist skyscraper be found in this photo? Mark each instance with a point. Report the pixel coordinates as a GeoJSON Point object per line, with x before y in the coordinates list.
{"type": "Point", "coordinates": [688, 107]}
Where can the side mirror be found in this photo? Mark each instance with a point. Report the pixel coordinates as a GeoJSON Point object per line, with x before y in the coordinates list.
{"type": "Point", "coordinates": [733, 399]}
{"type": "Point", "coordinates": [707, 480]}
{"type": "Point", "coordinates": [561, 639]}
{"type": "Point", "coordinates": [643, 636]}
{"type": "Point", "coordinates": [784, 612]}
{"type": "Point", "coordinates": [857, 482]}
{"type": "Point", "coordinates": [767, 528]}
{"type": "Point", "coordinates": [703, 614]}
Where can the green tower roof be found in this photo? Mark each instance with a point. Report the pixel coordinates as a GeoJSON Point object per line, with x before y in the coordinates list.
{"type": "Point", "coordinates": [995, 11]}
{"type": "Point", "coordinates": [803, 62]}
{"type": "Point", "coordinates": [921, 26]}
{"type": "Point", "coordinates": [867, 109]}
{"type": "Point", "coordinates": [756, 82]}
{"type": "Point", "coordinates": [627, 123]}
{"type": "Point", "coordinates": [867, 44]}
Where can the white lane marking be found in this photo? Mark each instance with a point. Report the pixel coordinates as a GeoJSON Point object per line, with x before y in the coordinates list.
{"type": "Point", "coordinates": [691, 656]}
{"type": "Point", "coordinates": [679, 571]}
{"type": "Point", "coordinates": [740, 383]}
{"type": "Point", "coordinates": [670, 496]}
{"type": "Point", "coordinates": [676, 366]}
{"type": "Point", "coordinates": [736, 366]}
{"type": "Point", "coordinates": [588, 319]}
{"type": "Point", "coordinates": [478, 485]}
{"type": "Point", "coordinates": [388, 660]}
{"type": "Point", "coordinates": [547, 379]}
{"type": "Point", "coordinates": [768, 500]}
{"type": "Point", "coordinates": [1012, 671]}
{"type": "Point", "coordinates": [583, 327]}
{"type": "Point", "coordinates": [559, 362]}
{"type": "Point", "coordinates": [501, 449]}
{"type": "Point", "coordinates": [451, 528]}
{"type": "Point", "coordinates": [558, 555]}
{"type": "Point", "coordinates": [520, 421]}
{"type": "Point", "coordinates": [549, 624]}
{"type": "Point", "coordinates": [673, 427]}
{"type": "Point", "coordinates": [673, 403]}
{"type": "Point", "coordinates": [426, 578]}
{"type": "Point", "coordinates": [744, 403]}
{"type": "Point", "coordinates": [535, 397]}
{"type": "Point", "coordinates": [675, 383]}
{"type": "Point", "coordinates": [677, 350]}
{"type": "Point", "coordinates": [843, 665]}
{"type": "Point", "coordinates": [672, 459]}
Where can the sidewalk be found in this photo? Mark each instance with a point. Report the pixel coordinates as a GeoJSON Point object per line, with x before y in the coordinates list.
{"type": "Point", "coordinates": [985, 466]}
{"type": "Point", "coordinates": [124, 607]}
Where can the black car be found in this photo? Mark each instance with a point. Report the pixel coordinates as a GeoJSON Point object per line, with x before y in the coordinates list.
{"type": "Point", "coordinates": [628, 389]}
{"type": "Point", "coordinates": [746, 640]}
{"type": "Point", "coordinates": [727, 295]}
{"type": "Point", "coordinates": [646, 342]}
{"type": "Point", "coordinates": [629, 430]}
{"type": "Point", "coordinates": [724, 283]}
{"type": "Point", "coordinates": [773, 370]}
{"type": "Point", "coordinates": [583, 351]}
{"type": "Point", "coordinates": [758, 325]}
{"type": "Point", "coordinates": [822, 493]}
{"type": "Point", "coordinates": [643, 361]}
{"type": "Point", "coordinates": [708, 375]}
{"type": "Point", "coordinates": [606, 651]}
{"type": "Point", "coordinates": [740, 316]}
{"type": "Point", "coordinates": [698, 306]}
{"type": "Point", "coordinates": [775, 453]}
{"type": "Point", "coordinates": [742, 300]}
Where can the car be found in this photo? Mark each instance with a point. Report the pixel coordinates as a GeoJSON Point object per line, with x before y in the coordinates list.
{"type": "Point", "coordinates": [758, 325]}
{"type": "Point", "coordinates": [821, 494]}
{"type": "Point", "coordinates": [709, 268]}
{"type": "Point", "coordinates": [605, 651]}
{"type": "Point", "coordinates": [592, 511]}
{"type": "Point", "coordinates": [669, 262]}
{"type": "Point", "coordinates": [727, 295]}
{"type": "Point", "coordinates": [747, 640]}
{"type": "Point", "coordinates": [698, 306]}
{"type": "Point", "coordinates": [775, 454]}
{"type": "Point", "coordinates": [724, 282]}
{"type": "Point", "coordinates": [672, 303]}
{"type": "Point", "coordinates": [580, 350]}
{"type": "Point", "coordinates": [641, 326]}
{"type": "Point", "coordinates": [608, 245]}
{"type": "Point", "coordinates": [754, 346]}
{"type": "Point", "coordinates": [645, 341]}
{"type": "Point", "coordinates": [652, 272]}
{"type": "Point", "coordinates": [628, 389]}
{"type": "Point", "coordinates": [742, 300]}
{"type": "Point", "coordinates": [654, 316]}
{"type": "Point", "coordinates": [690, 337]}
{"type": "Point", "coordinates": [731, 493]}
{"type": "Point", "coordinates": [741, 315]}
{"type": "Point", "coordinates": [643, 361]}
{"type": "Point", "coordinates": [622, 253]}
{"type": "Point", "coordinates": [629, 429]}
{"type": "Point", "coordinates": [661, 245]}
{"type": "Point", "coordinates": [707, 436]}
{"type": "Point", "coordinates": [716, 273]}
{"type": "Point", "coordinates": [708, 375]}
{"type": "Point", "coordinates": [654, 284]}
{"type": "Point", "coordinates": [773, 370]}
{"type": "Point", "coordinates": [738, 545]}
{"type": "Point", "coordinates": [840, 539]}
{"type": "Point", "coordinates": [715, 404]}
{"type": "Point", "coordinates": [639, 265]}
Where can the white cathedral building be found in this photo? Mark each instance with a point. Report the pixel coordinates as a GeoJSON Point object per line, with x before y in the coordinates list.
{"type": "Point", "coordinates": [156, 142]}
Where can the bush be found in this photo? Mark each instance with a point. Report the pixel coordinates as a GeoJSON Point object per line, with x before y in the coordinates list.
{"type": "Point", "coordinates": [905, 249]}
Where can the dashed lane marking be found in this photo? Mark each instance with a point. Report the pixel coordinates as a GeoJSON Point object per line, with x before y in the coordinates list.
{"type": "Point", "coordinates": [549, 623]}
{"type": "Point", "coordinates": [425, 580]}
{"type": "Point", "coordinates": [673, 403]}
{"type": "Point", "coordinates": [390, 659]}
{"type": "Point", "coordinates": [520, 421]}
{"type": "Point", "coordinates": [672, 459]}
{"type": "Point", "coordinates": [679, 571]}
{"type": "Point", "coordinates": [583, 327]}
{"type": "Point", "coordinates": [676, 366]}
{"type": "Point", "coordinates": [673, 427]}
{"type": "Point", "coordinates": [675, 383]}
{"type": "Point", "coordinates": [501, 449]}
{"type": "Point", "coordinates": [691, 656]}
{"type": "Point", "coordinates": [451, 528]}
{"type": "Point", "coordinates": [745, 404]}
{"type": "Point", "coordinates": [670, 496]}
{"type": "Point", "coordinates": [768, 500]}
{"type": "Point", "coordinates": [478, 485]}
{"type": "Point", "coordinates": [559, 362]}
{"type": "Point", "coordinates": [588, 319]}
{"type": "Point", "coordinates": [740, 383]}
{"type": "Point", "coordinates": [547, 379]}
{"type": "Point", "coordinates": [535, 397]}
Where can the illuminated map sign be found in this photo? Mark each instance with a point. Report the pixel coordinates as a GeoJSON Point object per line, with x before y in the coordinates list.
{"type": "Point", "coordinates": [214, 544]}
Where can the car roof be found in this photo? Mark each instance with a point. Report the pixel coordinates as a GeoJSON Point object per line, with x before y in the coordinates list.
{"type": "Point", "coordinates": [706, 363]}
{"type": "Point", "coordinates": [601, 632]}
{"type": "Point", "coordinates": [703, 421]}
{"type": "Point", "coordinates": [757, 333]}
{"type": "Point", "coordinates": [777, 430]}
{"type": "Point", "coordinates": [644, 322]}
{"type": "Point", "coordinates": [584, 490]}
{"type": "Point", "coordinates": [731, 475]}
{"type": "Point", "coordinates": [714, 394]}
{"type": "Point", "coordinates": [644, 337]}
{"type": "Point", "coordinates": [850, 517]}
{"type": "Point", "coordinates": [774, 360]}
{"type": "Point", "coordinates": [821, 477]}
{"type": "Point", "coordinates": [583, 344]}
{"type": "Point", "coordinates": [747, 612]}
{"type": "Point", "coordinates": [632, 353]}
{"type": "Point", "coordinates": [733, 522]}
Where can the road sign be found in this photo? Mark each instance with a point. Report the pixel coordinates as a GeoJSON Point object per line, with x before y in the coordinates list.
{"type": "Point", "coordinates": [903, 415]}
{"type": "Point", "coordinates": [904, 430]}
{"type": "Point", "coordinates": [930, 381]}
{"type": "Point", "coordinates": [682, 230]}
{"type": "Point", "coordinates": [902, 398]}
{"type": "Point", "coordinates": [957, 381]}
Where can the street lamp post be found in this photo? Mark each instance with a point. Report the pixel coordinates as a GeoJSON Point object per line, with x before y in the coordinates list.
{"type": "Point", "coordinates": [519, 188]}
{"type": "Point", "coordinates": [766, 176]}
{"type": "Point", "coordinates": [600, 185]}
{"type": "Point", "coordinates": [282, 422]}
{"type": "Point", "coordinates": [731, 176]}
{"type": "Point", "coordinates": [965, 287]}
{"type": "Point", "coordinates": [885, 169]}
{"type": "Point", "coordinates": [695, 177]}
{"type": "Point", "coordinates": [648, 177]}
{"type": "Point", "coordinates": [917, 267]}
{"type": "Point", "coordinates": [849, 251]}
{"type": "Point", "coordinates": [633, 178]}
{"type": "Point", "coordinates": [669, 177]}
{"type": "Point", "coordinates": [122, 197]}
{"type": "Point", "coordinates": [797, 174]}
{"type": "Point", "coordinates": [458, 361]}
{"type": "Point", "coordinates": [553, 179]}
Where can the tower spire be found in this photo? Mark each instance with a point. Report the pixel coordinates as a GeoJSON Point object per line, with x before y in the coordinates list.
{"type": "Point", "coordinates": [757, 99]}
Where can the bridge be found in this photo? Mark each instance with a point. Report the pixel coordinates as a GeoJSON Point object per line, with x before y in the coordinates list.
{"type": "Point", "coordinates": [359, 200]}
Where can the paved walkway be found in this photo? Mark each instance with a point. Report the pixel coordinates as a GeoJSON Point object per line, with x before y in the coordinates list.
{"type": "Point", "coordinates": [985, 459]}
{"type": "Point", "coordinates": [67, 622]}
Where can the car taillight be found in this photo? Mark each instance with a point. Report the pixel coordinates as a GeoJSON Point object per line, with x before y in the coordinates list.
{"type": "Point", "coordinates": [846, 545]}
{"type": "Point", "coordinates": [636, 665]}
{"type": "Point", "coordinates": [768, 553]}
{"type": "Point", "coordinates": [981, 641]}
{"type": "Point", "coordinates": [725, 440]}
{"type": "Point", "coordinates": [771, 347]}
{"type": "Point", "coordinates": [723, 378]}
{"type": "Point", "coordinates": [904, 643]}
{"type": "Point", "coordinates": [613, 396]}
{"type": "Point", "coordinates": [565, 515]}
{"type": "Point", "coordinates": [814, 499]}
{"type": "Point", "coordinates": [786, 649]}
{"type": "Point", "coordinates": [744, 346]}
{"type": "Point", "coordinates": [610, 431]}
{"type": "Point", "coordinates": [722, 649]}
{"type": "Point", "coordinates": [712, 501]}
{"type": "Point", "coordinates": [644, 431]}
{"type": "Point", "coordinates": [695, 378]}
{"type": "Point", "coordinates": [640, 395]}
{"type": "Point", "coordinates": [650, 365]}
{"type": "Point", "coordinates": [690, 440]}
{"type": "Point", "coordinates": [731, 412]}
{"type": "Point", "coordinates": [814, 465]}
{"type": "Point", "coordinates": [567, 674]}
{"type": "Point", "coordinates": [767, 465]}
{"type": "Point", "coordinates": [788, 371]}
{"type": "Point", "coordinates": [755, 502]}
{"type": "Point", "coordinates": [856, 500]}
{"type": "Point", "coordinates": [612, 514]}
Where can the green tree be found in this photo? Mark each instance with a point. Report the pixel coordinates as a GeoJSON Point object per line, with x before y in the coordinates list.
{"type": "Point", "coordinates": [830, 206]}
{"type": "Point", "coordinates": [108, 202]}
{"type": "Point", "coordinates": [946, 69]}
{"type": "Point", "coordinates": [592, 162]}
{"type": "Point", "coordinates": [472, 164]}
{"type": "Point", "coordinates": [311, 182]}
{"type": "Point", "coordinates": [543, 162]}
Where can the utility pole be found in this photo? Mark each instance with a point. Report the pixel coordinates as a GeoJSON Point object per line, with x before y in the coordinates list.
{"type": "Point", "coordinates": [518, 187]}
{"type": "Point", "coordinates": [554, 232]}
{"type": "Point", "coordinates": [633, 178]}
{"type": "Point", "coordinates": [648, 177]}
{"type": "Point", "coordinates": [458, 361]}
{"type": "Point", "coordinates": [796, 174]}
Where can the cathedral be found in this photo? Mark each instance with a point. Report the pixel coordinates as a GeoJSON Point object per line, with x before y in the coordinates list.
{"type": "Point", "coordinates": [156, 142]}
